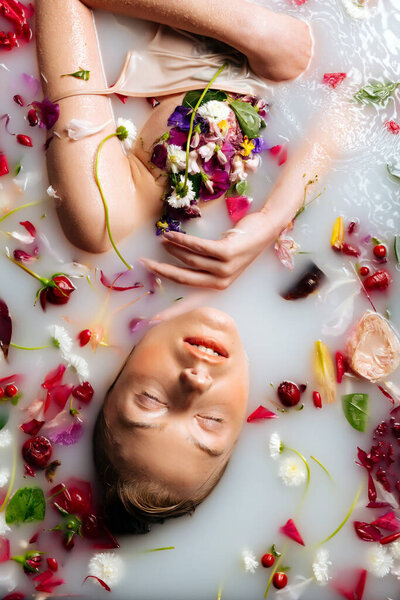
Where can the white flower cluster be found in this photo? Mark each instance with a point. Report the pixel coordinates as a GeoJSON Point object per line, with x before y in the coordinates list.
{"type": "Point", "coordinates": [249, 561]}
{"type": "Point", "coordinates": [321, 566]}
{"type": "Point", "coordinates": [107, 566]}
{"type": "Point", "coordinates": [292, 470]}
{"type": "Point", "coordinates": [62, 340]}
{"type": "Point", "coordinates": [383, 560]}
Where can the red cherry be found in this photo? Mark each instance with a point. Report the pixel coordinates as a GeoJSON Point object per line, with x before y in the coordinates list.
{"type": "Point", "coordinates": [37, 451]}
{"type": "Point", "coordinates": [62, 290]}
{"type": "Point", "coordinates": [267, 560]}
{"type": "Point", "coordinates": [84, 337]}
{"type": "Point", "coordinates": [11, 390]}
{"type": "Point", "coordinates": [380, 251]}
{"type": "Point", "coordinates": [279, 580]}
{"type": "Point", "coordinates": [24, 140]}
{"type": "Point", "coordinates": [83, 392]}
{"type": "Point", "coordinates": [317, 399]}
{"type": "Point", "coordinates": [289, 393]}
{"type": "Point", "coordinates": [52, 564]}
{"type": "Point", "coordinates": [1, 392]}
{"type": "Point", "coordinates": [364, 271]}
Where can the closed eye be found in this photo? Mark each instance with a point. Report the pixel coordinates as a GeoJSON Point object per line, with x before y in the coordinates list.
{"type": "Point", "coordinates": [209, 423]}
{"type": "Point", "coordinates": [149, 402]}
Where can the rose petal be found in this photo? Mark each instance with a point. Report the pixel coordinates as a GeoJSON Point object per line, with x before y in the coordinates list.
{"type": "Point", "coordinates": [387, 521]}
{"type": "Point", "coordinates": [291, 531]}
{"type": "Point", "coordinates": [261, 413]}
{"type": "Point", "coordinates": [238, 207]}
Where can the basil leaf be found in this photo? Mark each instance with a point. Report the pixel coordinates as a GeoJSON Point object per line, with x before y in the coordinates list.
{"type": "Point", "coordinates": [355, 408]}
{"type": "Point", "coordinates": [81, 74]}
{"type": "Point", "coordinates": [376, 92]}
{"type": "Point", "coordinates": [248, 118]}
{"type": "Point", "coordinates": [26, 505]}
{"type": "Point", "coordinates": [243, 187]}
{"type": "Point", "coordinates": [394, 170]}
{"type": "Point", "coordinates": [192, 98]}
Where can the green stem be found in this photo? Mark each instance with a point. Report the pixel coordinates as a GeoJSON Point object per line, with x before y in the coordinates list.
{"type": "Point", "coordinates": [274, 570]}
{"type": "Point", "coordinates": [106, 214]}
{"type": "Point", "coordinates": [322, 467]}
{"type": "Point", "coordinates": [42, 280]}
{"type": "Point", "coordinates": [347, 517]}
{"type": "Point", "coordinates": [28, 347]}
{"type": "Point", "coordinates": [158, 549]}
{"type": "Point", "coordinates": [14, 210]}
{"type": "Point", "coordinates": [308, 471]}
{"type": "Point", "coordinates": [12, 478]}
{"type": "Point", "coordinates": [192, 121]}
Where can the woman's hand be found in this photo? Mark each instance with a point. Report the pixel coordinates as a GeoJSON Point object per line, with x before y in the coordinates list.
{"type": "Point", "coordinates": [214, 264]}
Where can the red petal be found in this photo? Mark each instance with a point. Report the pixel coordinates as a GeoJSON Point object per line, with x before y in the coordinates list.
{"type": "Point", "coordinates": [360, 587]}
{"type": "Point", "coordinates": [32, 427]}
{"type": "Point", "coordinates": [387, 521]}
{"type": "Point", "coordinates": [371, 489]}
{"type": "Point", "coordinates": [35, 537]}
{"type": "Point", "coordinates": [53, 377]}
{"type": "Point", "coordinates": [291, 531]}
{"type": "Point", "coordinates": [3, 164]}
{"type": "Point", "coordinates": [238, 207]}
{"type": "Point", "coordinates": [261, 413]}
{"type": "Point", "coordinates": [392, 127]}
{"type": "Point", "coordinates": [275, 150]}
{"type": "Point", "coordinates": [59, 394]}
{"type": "Point", "coordinates": [385, 393]}
{"type": "Point", "coordinates": [333, 79]}
{"type": "Point", "coordinates": [4, 549]}
{"type": "Point", "coordinates": [5, 328]}
{"type": "Point", "coordinates": [367, 532]}
{"type": "Point", "coordinates": [14, 596]}
{"type": "Point", "coordinates": [121, 97]}
{"type": "Point", "coordinates": [14, 378]}
{"type": "Point", "coordinates": [29, 227]}
{"type": "Point", "coordinates": [282, 157]}
{"type": "Point", "coordinates": [101, 582]}
{"type": "Point", "coordinates": [110, 284]}
{"type": "Point", "coordinates": [43, 577]}
{"type": "Point", "coordinates": [43, 299]}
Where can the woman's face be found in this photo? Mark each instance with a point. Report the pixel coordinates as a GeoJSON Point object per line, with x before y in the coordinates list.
{"type": "Point", "coordinates": [178, 405]}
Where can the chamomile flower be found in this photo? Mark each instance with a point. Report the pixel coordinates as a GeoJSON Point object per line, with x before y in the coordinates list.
{"type": "Point", "coordinates": [61, 339]}
{"type": "Point", "coordinates": [4, 476]}
{"type": "Point", "coordinates": [79, 365]}
{"type": "Point", "coordinates": [275, 445]}
{"type": "Point", "coordinates": [178, 201]}
{"type": "Point", "coordinates": [4, 528]}
{"type": "Point", "coordinates": [5, 438]}
{"type": "Point", "coordinates": [249, 561]}
{"type": "Point", "coordinates": [321, 566]}
{"type": "Point", "coordinates": [379, 560]}
{"type": "Point", "coordinates": [127, 133]}
{"type": "Point", "coordinates": [292, 471]}
{"type": "Point", "coordinates": [356, 10]}
{"type": "Point", "coordinates": [107, 566]}
{"type": "Point", "coordinates": [394, 548]}
{"type": "Point", "coordinates": [176, 158]}
{"type": "Point", "coordinates": [214, 110]}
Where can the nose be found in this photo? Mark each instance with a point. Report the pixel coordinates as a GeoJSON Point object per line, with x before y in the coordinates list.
{"type": "Point", "coordinates": [196, 379]}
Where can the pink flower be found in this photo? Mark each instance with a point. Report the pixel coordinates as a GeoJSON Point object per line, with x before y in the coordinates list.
{"type": "Point", "coordinates": [286, 249]}
{"type": "Point", "coordinates": [333, 79]}
{"type": "Point", "coordinates": [392, 127]}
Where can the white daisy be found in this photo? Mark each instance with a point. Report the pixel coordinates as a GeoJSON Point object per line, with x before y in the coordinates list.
{"type": "Point", "coordinates": [129, 134]}
{"type": "Point", "coordinates": [177, 201]}
{"type": "Point", "coordinates": [5, 438]}
{"type": "Point", "coordinates": [394, 548]}
{"type": "Point", "coordinates": [275, 445]}
{"type": "Point", "coordinates": [78, 128]}
{"type": "Point", "coordinates": [379, 560]}
{"type": "Point", "coordinates": [61, 339]}
{"type": "Point", "coordinates": [4, 476]}
{"type": "Point", "coordinates": [52, 193]}
{"type": "Point", "coordinates": [4, 528]}
{"type": "Point", "coordinates": [356, 10]}
{"type": "Point", "coordinates": [250, 563]}
{"type": "Point", "coordinates": [107, 566]}
{"type": "Point", "coordinates": [321, 566]}
{"type": "Point", "coordinates": [79, 365]}
{"type": "Point", "coordinates": [292, 471]}
{"type": "Point", "coordinates": [214, 110]}
{"type": "Point", "coordinates": [207, 151]}
{"type": "Point", "coordinates": [176, 158]}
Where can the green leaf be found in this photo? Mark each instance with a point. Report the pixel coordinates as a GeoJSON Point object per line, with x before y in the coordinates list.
{"type": "Point", "coordinates": [192, 98]}
{"type": "Point", "coordinates": [355, 408]}
{"type": "Point", "coordinates": [243, 188]}
{"type": "Point", "coordinates": [82, 74]}
{"type": "Point", "coordinates": [396, 248]}
{"type": "Point", "coordinates": [394, 170]}
{"type": "Point", "coordinates": [196, 180]}
{"type": "Point", "coordinates": [4, 414]}
{"type": "Point", "coordinates": [248, 118]}
{"type": "Point", "coordinates": [26, 505]}
{"type": "Point", "coordinates": [376, 241]}
{"type": "Point", "coordinates": [376, 92]}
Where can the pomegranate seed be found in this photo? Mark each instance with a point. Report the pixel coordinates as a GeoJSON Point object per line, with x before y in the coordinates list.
{"type": "Point", "coordinates": [32, 117]}
{"type": "Point", "coordinates": [316, 396]}
{"type": "Point", "coordinates": [84, 337]}
{"type": "Point", "coordinates": [279, 580]}
{"type": "Point", "coordinates": [392, 127]}
{"type": "Point", "coordinates": [11, 390]}
{"type": "Point", "coordinates": [352, 227]}
{"type": "Point", "coordinates": [29, 471]}
{"type": "Point", "coordinates": [340, 366]}
{"type": "Point", "coordinates": [18, 100]}
{"type": "Point", "coordinates": [1, 392]}
{"type": "Point", "coordinates": [288, 393]}
{"type": "Point", "coordinates": [24, 140]}
{"type": "Point", "coordinates": [267, 560]}
{"type": "Point", "coordinates": [364, 271]}
{"type": "Point", "coordinates": [52, 564]}
{"type": "Point", "coordinates": [380, 251]}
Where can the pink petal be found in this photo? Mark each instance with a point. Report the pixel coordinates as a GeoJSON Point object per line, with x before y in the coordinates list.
{"type": "Point", "coordinates": [35, 409]}
{"type": "Point", "coordinates": [261, 413]}
{"type": "Point", "coordinates": [238, 207]}
{"type": "Point", "coordinates": [4, 549]}
{"type": "Point", "coordinates": [333, 79]}
{"type": "Point", "coordinates": [387, 521]}
{"type": "Point", "coordinates": [53, 377]}
{"type": "Point", "coordinates": [291, 531]}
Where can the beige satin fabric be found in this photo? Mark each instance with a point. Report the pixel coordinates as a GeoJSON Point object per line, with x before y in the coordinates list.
{"type": "Point", "coordinates": [175, 62]}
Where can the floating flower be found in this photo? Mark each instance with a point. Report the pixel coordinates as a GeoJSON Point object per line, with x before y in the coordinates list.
{"type": "Point", "coordinates": [159, 156]}
{"type": "Point", "coordinates": [180, 118]}
{"type": "Point", "coordinates": [379, 560]}
{"type": "Point", "coordinates": [251, 164]}
{"type": "Point", "coordinates": [259, 145]}
{"type": "Point", "coordinates": [292, 471]}
{"type": "Point", "coordinates": [176, 200]}
{"type": "Point", "coordinates": [392, 127]}
{"type": "Point", "coordinates": [286, 249]}
{"type": "Point", "coordinates": [52, 193]}
{"type": "Point", "coordinates": [395, 549]}
{"type": "Point", "coordinates": [238, 172]}
{"type": "Point", "coordinates": [61, 339]}
{"type": "Point", "coordinates": [79, 365]}
{"type": "Point", "coordinates": [78, 129]}
{"type": "Point", "coordinates": [275, 445]}
{"type": "Point", "coordinates": [333, 79]}
{"type": "Point", "coordinates": [4, 476]}
{"type": "Point", "coordinates": [126, 132]}
{"type": "Point", "coordinates": [176, 158]}
{"type": "Point", "coordinates": [214, 110]}
{"type": "Point", "coordinates": [321, 566]}
{"type": "Point", "coordinates": [193, 162]}
{"type": "Point", "coordinates": [5, 438]}
{"type": "Point", "coordinates": [215, 185]}
{"type": "Point", "coordinates": [356, 10]}
{"type": "Point", "coordinates": [106, 566]}
{"type": "Point", "coordinates": [166, 223]}
{"type": "Point", "coordinates": [48, 112]}
{"type": "Point", "coordinates": [247, 146]}
{"type": "Point", "coordinates": [207, 151]}
{"type": "Point", "coordinates": [249, 561]}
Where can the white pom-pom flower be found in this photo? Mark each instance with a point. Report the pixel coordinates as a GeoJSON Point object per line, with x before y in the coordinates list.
{"type": "Point", "coordinates": [214, 110]}
{"type": "Point", "coordinates": [275, 445]}
{"type": "Point", "coordinates": [321, 566]}
{"type": "Point", "coordinates": [379, 560]}
{"type": "Point", "coordinates": [292, 471]}
{"type": "Point", "coordinates": [127, 134]}
{"type": "Point", "coordinates": [107, 566]}
{"type": "Point", "coordinates": [356, 9]}
{"type": "Point", "coordinates": [178, 201]}
{"type": "Point", "coordinates": [5, 438]}
{"type": "Point", "coordinates": [249, 561]}
{"type": "Point", "coordinates": [4, 476]}
{"type": "Point", "coordinates": [61, 339]}
{"type": "Point", "coordinates": [176, 158]}
{"type": "Point", "coordinates": [394, 548]}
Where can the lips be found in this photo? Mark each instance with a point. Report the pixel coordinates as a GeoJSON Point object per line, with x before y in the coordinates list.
{"type": "Point", "coordinates": [206, 348]}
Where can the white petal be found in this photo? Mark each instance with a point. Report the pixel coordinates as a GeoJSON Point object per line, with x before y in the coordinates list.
{"type": "Point", "coordinates": [78, 129]}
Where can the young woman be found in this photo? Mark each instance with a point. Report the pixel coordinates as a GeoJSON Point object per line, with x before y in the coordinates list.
{"type": "Point", "coordinates": [278, 47]}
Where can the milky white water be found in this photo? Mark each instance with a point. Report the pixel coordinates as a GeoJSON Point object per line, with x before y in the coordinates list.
{"type": "Point", "coordinates": [251, 503]}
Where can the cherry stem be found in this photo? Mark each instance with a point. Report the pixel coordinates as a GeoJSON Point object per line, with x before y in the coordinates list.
{"type": "Point", "coordinates": [14, 210]}
{"type": "Point", "coordinates": [42, 280]}
{"type": "Point", "coordinates": [106, 212]}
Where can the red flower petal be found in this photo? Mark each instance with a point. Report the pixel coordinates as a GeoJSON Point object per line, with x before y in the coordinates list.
{"type": "Point", "coordinates": [4, 549]}
{"type": "Point", "coordinates": [367, 532]}
{"type": "Point", "coordinates": [53, 377]}
{"type": "Point", "coordinates": [387, 521]}
{"type": "Point", "coordinates": [282, 157]}
{"type": "Point", "coordinates": [3, 164]}
{"type": "Point", "coordinates": [29, 227]}
{"type": "Point", "coordinates": [386, 394]}
{"type": "Point", "coordinates": [111, 284]}
{"type": "Point", "coordinates": [238, 207]}
{"type": "Point", "coordinates": [261, 413]}
{"type": "Point", "coordinates": [371, 489]}
{"type": "Point", "coordinates": [333, 79]}
{"type": "Point", "coordinates": [275, 150]}
{"type": "Point", "coordinates": [5, 328]}
{"type": "Point", "coordinates": [14, 596]}
{"type": "Point", "coordinates": [14, 378]}
{"type": "Point", "coordinates": [392, 127]}
{"type": "Point", "coordinates": [59, 394]}
{"type": "Point", "coordinates": [32, 427]}
{"type": "Point", "coordinates": [291, 531]}
{"type": "Point", "coordinates": [355, 593]}
{"type": "Point", "coordinates": [101, 582]}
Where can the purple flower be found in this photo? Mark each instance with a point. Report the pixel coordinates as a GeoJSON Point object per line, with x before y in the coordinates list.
{"type": "Point", "coordinates": [214, 163]}
{"type": "Point", "coordinates": [220, 183]}
{"type": "Point", "coordinates": [48, 112]}
{"type": "Point", "coordinates": [259, 145]}
{"type": "Point", "coordinates": [167, 223]}
{"type": "Point", "coordinates": [180, 118]}
{"type": "Point", "coordinates": [177, 137]}
{"type": "Point", "coordinates": [159, 156]}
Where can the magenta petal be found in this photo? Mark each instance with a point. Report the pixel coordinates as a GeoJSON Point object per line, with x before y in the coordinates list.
{"type": "Point", "coordinates": [291, 531]}
{"type": "Point", "coordinates": [136, 323]}
{"type": "Point", "coordinates": [118, 288]}
{"type": "Point", "coordinates": [177, 138]}
{"type": "Point", "coordinates": [261, 413]}
{"type": "Point", "coordinates": [387, 521]}
{"type": "Point", "coordinates": [371, 489]}
{"type": "Point", "coordinates": [5, 328]}
{"type": "Point", "coordinates": [238, 207]}
{"type": "Point", "coordinates": [360, 587]}
{"type": "Point", "coordinates": [220, 180]}
{"type": "Point", "coordinates": [4, 549]}
{"type": "Point", "coordinates": [53, 377]}
{"type": "Point", "coordinates": [29, 227]}
{"type": "Point", "coordinates": [25, 257]}
{"type": "Point", "coordinates": [69, 436]}
{"type": "Point", "coordinates": [31, 83]}
{"type": "Point", "coordinates": [367, 532]}
{"type": "Point", "coordinates": [32, 427]}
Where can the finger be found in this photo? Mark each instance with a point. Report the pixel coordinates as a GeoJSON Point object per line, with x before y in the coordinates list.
{"type": "Point", "coordinates": [195, 261]}
{"type": "Point", "coordinates": [202, 246]}
{"type": "Point", "coordinates": [181, 275]}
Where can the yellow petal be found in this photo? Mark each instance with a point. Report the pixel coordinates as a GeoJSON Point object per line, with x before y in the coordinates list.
{"type": "Point", "coordinates": [324, 372]}
{"type": "Point", "coordinates": [337, 234]}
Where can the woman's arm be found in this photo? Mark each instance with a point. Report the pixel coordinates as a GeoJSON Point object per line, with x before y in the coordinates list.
{"type": "Point", "coordinates": [278, 46]}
